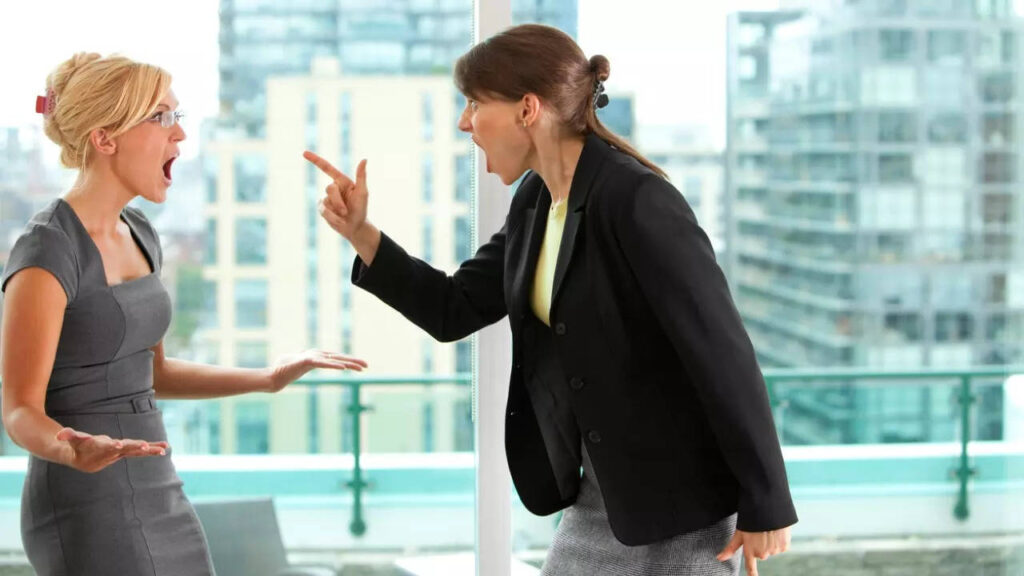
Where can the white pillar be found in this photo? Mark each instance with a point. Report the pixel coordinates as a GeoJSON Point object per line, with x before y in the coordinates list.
{"type": "Point", "coordinates": [493, 361]}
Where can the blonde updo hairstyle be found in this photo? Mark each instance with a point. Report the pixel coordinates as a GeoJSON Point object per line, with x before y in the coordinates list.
{"type": "Point", "coordinates": [93, 92]}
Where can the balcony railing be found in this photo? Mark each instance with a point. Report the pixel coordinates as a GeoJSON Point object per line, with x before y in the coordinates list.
{"type": "Point", "coordinates": [447, 478]}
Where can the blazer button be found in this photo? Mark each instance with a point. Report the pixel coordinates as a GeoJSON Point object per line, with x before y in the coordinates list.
{"type": "Point", "coordinates": [576, 383]}
{"type": "Point", "coordinates": [594, 436]}
{"type": "Point", "coordinates": [560, 329]}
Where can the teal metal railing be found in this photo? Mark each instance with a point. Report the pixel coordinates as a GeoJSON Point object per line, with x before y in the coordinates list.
{"type": "Point", "coordinates": [965, 381]}
{"type": "Point", "coordinates": [785, 387]}
{"type": "Point", "coordinates": [356, 407]}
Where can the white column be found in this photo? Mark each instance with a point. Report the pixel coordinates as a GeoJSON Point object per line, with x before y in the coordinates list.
{"type": "Point", "coordinates": [493, 361]}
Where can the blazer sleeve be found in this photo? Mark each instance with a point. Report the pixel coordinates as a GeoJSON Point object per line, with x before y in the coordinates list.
{"type": "Point", "coordinates": [448, 307]}
{"type": "Point", "coordinates": [673, 261]}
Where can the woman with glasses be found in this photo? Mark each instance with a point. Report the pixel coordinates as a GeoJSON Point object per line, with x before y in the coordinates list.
{"type": "Point", "coordinates": [84, 318]}
{"type": "Point", "coordinates": [629, 359]}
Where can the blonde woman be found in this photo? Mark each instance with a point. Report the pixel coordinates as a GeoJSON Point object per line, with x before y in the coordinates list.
{"type": "Point", "coordinates": [84, 317]}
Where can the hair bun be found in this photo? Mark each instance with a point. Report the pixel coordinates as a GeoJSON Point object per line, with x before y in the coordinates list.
{"type": "Point", "coordinates": [60, 77]}
{"type": "Point", "coordinates": [601, 67]}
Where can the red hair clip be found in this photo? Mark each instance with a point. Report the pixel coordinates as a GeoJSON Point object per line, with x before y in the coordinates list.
{"type": "Point", "coordinates": [46, 104]}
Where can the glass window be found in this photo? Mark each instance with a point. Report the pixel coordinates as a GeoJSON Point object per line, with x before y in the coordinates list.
{"type": "Point", "coordinates": [210, 242]}
{"type": "Point", "coordinates": [895, 168]}
{"type": "Point", "coordinates": [428, 426]}
{"type": "Point", "coordinates": [998, 167]}
{"type": "Point", "coordinates": [944, 87]}
{"type": "Point", "coordinates": [903, 326]}
{"type": "Point", "coordinates": [897, 127]}
{"type": "Point", "coordinates": [428, 177]}
{"type": "Point", "coordinates": [463, 239]}
{"type": "Point", "coordinates": [251, 241]}
{"type": "Point", "coordinates": [997, 210]}
{"type": "Point", "coordinates": [463, 356]}
{"type": "Point", "coordinates": [948, 127]}
{"type": "Point", "coordinates": [251, 303]}
{"type": "Point", "coordinates": [211, 175]}
{"type": "Point", "coordinates": [895, 45]}
{"type": "Point", "coordinates": [252, 419]}
{"type": "Point", "coordinates": [889, 85]}
{"type": "Point", "coordinates": [944, 166]}
{"type": "Point", "coordinates": [463, 177]}
{"type": "Point", "coordinates": [345, 104]}
{"type": "Point", "coordinates": [996, 47]}
{"type": "Point", "coordinates": [251, 178]}
{"type": "Point", "coordinates": [997, 88]}
{"type": "Point", "coordinates": [428, 116]}
{"type": "Point", "coordinates": [998, 129]}
{"type": "Point", "coordinates": [947, 46]}
{"type": "Point", "coordinates": [427, 356]}
{"type": "Point", "coordinates": [251, 354]}
{"type": "Point", "coordinates": [617, 116]}
{"type": "Point", "coordinates": [953, 327]}
{"type": "Point", "coordinates": [427, 238]}
{"type": "Point", "coordinates": [208, 317]}
{"type": "Point", "coordinates": [943, 210]}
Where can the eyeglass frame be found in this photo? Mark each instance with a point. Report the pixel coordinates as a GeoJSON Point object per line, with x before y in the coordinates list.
{"type": "Point", "coordinates": [166, 118]}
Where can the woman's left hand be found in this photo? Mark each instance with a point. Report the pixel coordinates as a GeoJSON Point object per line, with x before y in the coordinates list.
{"type": "Point", "coordinates": [294, 366]}
{"type": "Point", "coordinates": [756, 546]}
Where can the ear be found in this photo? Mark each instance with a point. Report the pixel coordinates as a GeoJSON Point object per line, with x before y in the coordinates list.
{"type": "Point", "coordinates": [529, 110]}
{"type": "Point", "coordinates": [102, 142]}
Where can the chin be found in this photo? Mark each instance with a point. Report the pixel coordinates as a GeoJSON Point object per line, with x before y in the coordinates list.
{"type": "Point", "coordinates": [511, 179]}
{"type": "Point", "coordinates": [156, 196]}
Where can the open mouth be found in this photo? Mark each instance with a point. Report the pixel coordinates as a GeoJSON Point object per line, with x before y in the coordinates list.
{"type": "Point", "coordinates": [167, 168]}
{"type": "Point", "coordinates": [488, 160]}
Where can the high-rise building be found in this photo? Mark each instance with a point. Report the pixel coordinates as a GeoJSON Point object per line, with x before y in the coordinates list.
{"type": "Point", "coordinates": [260, 39]}
{"type": "Point", "coordinates": [277, 277]}
{"type": "Point", "coordinates": [873, 196]}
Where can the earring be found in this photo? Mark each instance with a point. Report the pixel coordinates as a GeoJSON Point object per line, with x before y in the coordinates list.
{"type": "Point", "coordinates": [524, 123]}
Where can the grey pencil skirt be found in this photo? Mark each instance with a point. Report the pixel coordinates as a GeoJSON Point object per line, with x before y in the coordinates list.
{"type": "Point", "coordinates": [585, 546]}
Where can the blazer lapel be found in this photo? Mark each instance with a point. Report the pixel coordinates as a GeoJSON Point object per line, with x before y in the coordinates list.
{"type": "Point", "coordinates": [587, 168]}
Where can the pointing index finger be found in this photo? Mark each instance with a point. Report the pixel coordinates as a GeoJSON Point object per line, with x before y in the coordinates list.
{"type": "Point", "coordinates": [324, 166]}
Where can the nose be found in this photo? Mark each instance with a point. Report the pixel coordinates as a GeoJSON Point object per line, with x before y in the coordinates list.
{"type": "Point", "coordinates": [464, 124]}
{"type": "Point", "coordinates": [177, 132]}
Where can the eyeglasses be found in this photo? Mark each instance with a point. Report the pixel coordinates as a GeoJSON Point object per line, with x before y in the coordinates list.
{"type": "Point", "coordinates": [167, 118]}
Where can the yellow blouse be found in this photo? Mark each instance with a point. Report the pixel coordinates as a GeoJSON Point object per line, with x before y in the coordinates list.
{"type": "Point", "coordinates": [544, 277]}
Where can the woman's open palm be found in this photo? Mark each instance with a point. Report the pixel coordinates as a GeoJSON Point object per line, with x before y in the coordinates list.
{"type": "Point", "coordinates": [89, 453]}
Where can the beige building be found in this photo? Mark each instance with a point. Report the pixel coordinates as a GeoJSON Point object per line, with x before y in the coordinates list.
{"type": "Point", "coordinates": [277, 277]}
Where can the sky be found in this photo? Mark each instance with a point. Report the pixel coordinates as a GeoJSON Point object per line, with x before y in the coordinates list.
{"type": "Point", "coordinates": [670, 54]}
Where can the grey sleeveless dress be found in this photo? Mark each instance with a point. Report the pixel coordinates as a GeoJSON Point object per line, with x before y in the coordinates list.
{"type": "Point", "coordinates": [131, 518]}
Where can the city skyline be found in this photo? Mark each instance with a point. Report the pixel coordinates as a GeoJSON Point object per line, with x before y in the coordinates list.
{"type": "Point", "coordinates": [664, 96]}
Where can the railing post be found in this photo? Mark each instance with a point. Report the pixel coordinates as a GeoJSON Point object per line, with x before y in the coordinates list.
{"type": "Point", "coordinates": [358, 525]}
{"type": "Point", "coordinates": [964, 471]}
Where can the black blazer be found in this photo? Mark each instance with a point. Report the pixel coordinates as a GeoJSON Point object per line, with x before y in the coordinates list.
{"type": "Point", "coordinates": [665, 386]}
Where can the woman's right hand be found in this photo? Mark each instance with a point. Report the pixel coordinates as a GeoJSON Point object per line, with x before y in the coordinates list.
{"type": "Point", "coordinates": [344, 206]}
{"type": "Point", "coordinates": [88, 453]}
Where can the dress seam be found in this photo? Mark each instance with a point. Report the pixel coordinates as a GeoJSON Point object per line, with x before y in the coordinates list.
{"type": "Point", "coordinates": [56, 521]}
{"type": "Point", "coordinates": [135, 513]}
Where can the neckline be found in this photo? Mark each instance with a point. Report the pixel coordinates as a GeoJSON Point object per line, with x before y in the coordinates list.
{"type": "Point", "coordinates": [96, 251]}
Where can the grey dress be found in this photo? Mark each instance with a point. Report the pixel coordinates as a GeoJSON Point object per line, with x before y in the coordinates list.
{"type": "Point", "coordinates": [132, 517]}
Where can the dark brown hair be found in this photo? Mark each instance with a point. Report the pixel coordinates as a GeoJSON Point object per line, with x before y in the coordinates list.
{"type": "Point", "coordinates": [537, 59]}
